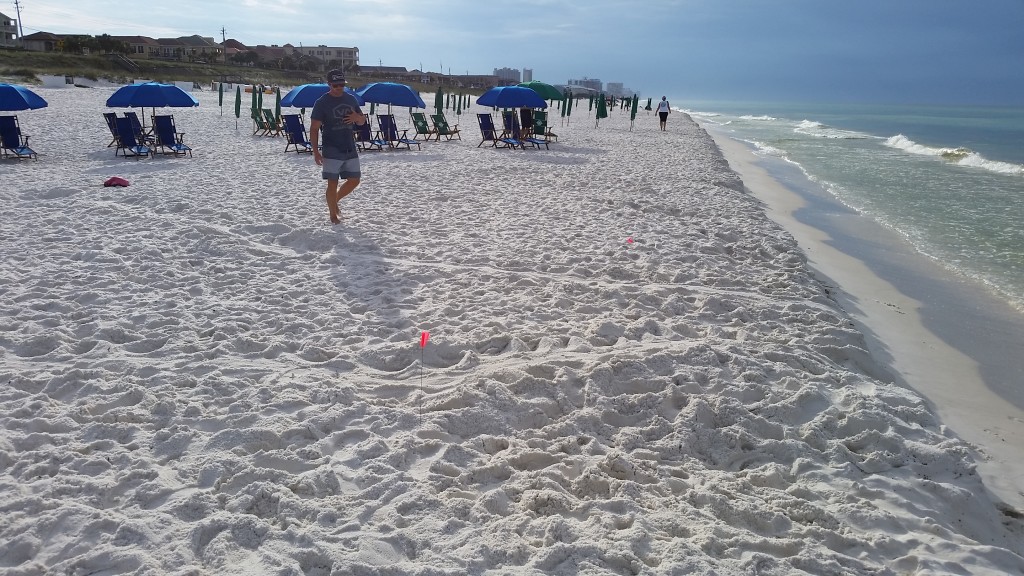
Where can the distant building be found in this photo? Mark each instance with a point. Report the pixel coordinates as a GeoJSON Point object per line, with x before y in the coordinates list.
{"type": "Point", "coordinates": [508, 75]}
{"type": "Point", "coordinates": [617, 89]}
{"type": "Point", "coordinates": [343, 57]}
{"type": "Point", "coordinates": [142, 47]}
{"type": "Point", "coordinates": [41, 42]}
{"type": "Point", "coordinates": [389, 72]}
{"type": "Point", "coordinates": [8, 32]}
{"type": "Point", "coordinates": [527, 74]}
{"type": "Point", "coordinates": [590, 83]}
{"type": "Point", "coordinates": [201, 49]}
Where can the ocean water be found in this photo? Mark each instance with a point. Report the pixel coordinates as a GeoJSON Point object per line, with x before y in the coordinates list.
{"type": "Point", "coordinates": [949, 179]}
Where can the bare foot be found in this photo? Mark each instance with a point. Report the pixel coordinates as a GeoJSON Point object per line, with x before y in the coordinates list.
{"type": "Point", "coordinates": [335, 218]}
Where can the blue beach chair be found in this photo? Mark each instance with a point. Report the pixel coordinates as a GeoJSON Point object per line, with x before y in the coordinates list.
{"type": "Point", "coordinates": [512, 130]}
{"type": "Point", "coordinates": [12, 141]}
{"type": "Point", "coordinates": [126, 142]}
{"type": "Point", "coordinates": [168, 139]}
{"type": "Point", "coordinates": [488, 133]}
{"type": "Point", "coordinates": [388, 131]}
{"type": "Point", "coordinates": [111, 120]}
{"type": "Point", "coordinates": [365, 138]}
{"type": "Point", "coordinates": [295, 131]}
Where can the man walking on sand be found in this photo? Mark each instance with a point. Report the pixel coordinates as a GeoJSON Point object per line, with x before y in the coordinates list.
{"type": "Point", "coordinates": [334, 113]}
{"type": "Point", "coordinates": [663, 111]}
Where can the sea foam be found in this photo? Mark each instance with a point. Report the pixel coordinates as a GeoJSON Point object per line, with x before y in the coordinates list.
{"type": "Point", "coordinates": [819, 130]}
{"type": "Point", "coordinates": [961, 156]}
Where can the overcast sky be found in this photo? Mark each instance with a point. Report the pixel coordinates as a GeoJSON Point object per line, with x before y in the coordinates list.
{"type": "Point", "coordinates": [890, 51]}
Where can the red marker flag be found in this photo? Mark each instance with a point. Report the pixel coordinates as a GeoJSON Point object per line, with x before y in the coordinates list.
{"type": "Point", "coordinates": [424, 336]}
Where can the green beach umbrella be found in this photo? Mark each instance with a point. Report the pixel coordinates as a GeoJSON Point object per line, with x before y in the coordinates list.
{"type": "Point", "coordinates": [220, 96]}
{"type": "Point", "coordinates": [439, 101]}
{"type": "Point", "coordinates": [590, 107]}
{"type": "Point", "coordinates": [254, 107]}
{"type": "Point", "coordinates": [238, 105]}
{"type": "Point", "coordinates": [602, 109]}
{"type": "Point", "coordinates": [565, 96]}
{"type": "Point", "coordinates": [568, 107]}
{"type": "Point", "coordinates": [259, 100]}
{"type": "Point", "coordinates": [546, 91]}
{"type": "Point", "coordinates": [458, 106]}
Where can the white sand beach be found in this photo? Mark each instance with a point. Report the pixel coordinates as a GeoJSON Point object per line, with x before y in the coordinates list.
{"type": "Point", "coordinates": [631, 368]}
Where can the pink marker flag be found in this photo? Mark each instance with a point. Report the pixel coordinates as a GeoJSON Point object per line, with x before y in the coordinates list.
{"type": "Point", "coordinates": [629, 240]}
{"type": "Point", "coordinates": [424, 336]}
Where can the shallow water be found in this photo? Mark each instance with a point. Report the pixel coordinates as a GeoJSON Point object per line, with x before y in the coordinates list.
{"type": "Point", "coordinates": [951, 180]}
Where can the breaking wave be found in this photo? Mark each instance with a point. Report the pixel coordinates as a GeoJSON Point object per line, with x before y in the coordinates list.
{"type": "Point", "coordinates": [961, 156]}
{"type": "Point", "coordinates": [819, 130]}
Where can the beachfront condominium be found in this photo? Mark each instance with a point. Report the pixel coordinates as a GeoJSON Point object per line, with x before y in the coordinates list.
{"type": "Point", "coordinates": [507, 75]}
{"type": "Point", "coordinates": [590, 83]}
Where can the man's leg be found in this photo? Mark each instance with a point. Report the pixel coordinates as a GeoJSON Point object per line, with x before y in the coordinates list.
{"type": "Point", "coordinates": [347, 187]}
{"type": "Point", "coordinates": [332, 200]}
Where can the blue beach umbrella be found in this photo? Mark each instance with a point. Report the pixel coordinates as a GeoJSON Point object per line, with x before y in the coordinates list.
{"type": "Point", "coordinates": [391, 93]}
{"type": "Point", "coordinates": [14, 97]}
{"type": "Point", "coordinates": [151, 95]}
{"type": "Point", "coordinates": [511, 97]}
{"type": "Point", "coordinates": [306, 95]}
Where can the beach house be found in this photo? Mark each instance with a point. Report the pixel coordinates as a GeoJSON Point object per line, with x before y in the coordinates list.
{"type": "Point", "coordinates": [8, 31]}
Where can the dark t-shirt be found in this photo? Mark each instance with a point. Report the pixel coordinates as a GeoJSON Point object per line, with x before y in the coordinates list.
{"type": "Point", "coordinates": [337, 137]}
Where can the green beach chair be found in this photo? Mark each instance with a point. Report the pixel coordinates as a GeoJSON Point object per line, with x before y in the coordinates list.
{"type": "Point", "coordinates": [442, 128]}
{"type": "Point", "coordinates": [419, 122]}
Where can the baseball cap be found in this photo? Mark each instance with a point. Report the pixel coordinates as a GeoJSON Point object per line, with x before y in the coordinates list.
{"type": "Point", "coordinates": [335, 76]}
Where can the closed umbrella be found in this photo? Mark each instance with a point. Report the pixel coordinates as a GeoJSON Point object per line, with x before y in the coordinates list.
{"type": "Point", "coordinates": [14, 97]}
{"type": "Point", "coordinates": [568, 108]}
{"type": "Point", "coordinates": [220, 97]}
{"type": "Point", "coordinates": [277, 106]}
{"type": "Point", "coordinates": [590, 107]}
{"type": "Point", "coordinates": [253, 109]}
{"type": "Point", "coordinates": [602, 110]}
{"type": "Point", "coordinates": [439, 101]}
{"type": "Point", "coordinates": [632, 112]}
{"type": "Point", "coordinates": [238, 105]}
{"type": "Point", "coordinates": [648, 108]}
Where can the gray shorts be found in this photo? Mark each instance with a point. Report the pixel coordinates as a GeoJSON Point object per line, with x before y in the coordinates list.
{"type": "Point", "coordinates": [340, 169]}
